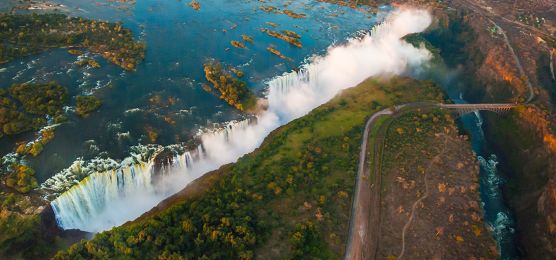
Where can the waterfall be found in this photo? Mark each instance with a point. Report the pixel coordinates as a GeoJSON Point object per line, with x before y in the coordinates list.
{"type": "Point", "coordinates": [109, 198]}
{"type": "Point", "coordinates": [82, 201]}
{"type": "Point", "coordinates": [111, 183]}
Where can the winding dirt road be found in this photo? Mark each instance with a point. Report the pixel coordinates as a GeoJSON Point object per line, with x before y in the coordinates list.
{"type": "Point", "coordinates": [416, 203]}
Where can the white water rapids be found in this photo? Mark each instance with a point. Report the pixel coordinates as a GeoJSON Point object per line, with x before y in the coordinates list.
{"type": "Point", "coordinates": [109, 198]}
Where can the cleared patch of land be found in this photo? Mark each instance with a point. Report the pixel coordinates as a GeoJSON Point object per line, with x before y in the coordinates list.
{"type": "Point", "coordinates": [430, 205]}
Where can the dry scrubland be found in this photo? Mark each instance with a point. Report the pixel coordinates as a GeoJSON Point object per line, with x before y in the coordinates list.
{"type": "Point", "coordinates": [430, 192]}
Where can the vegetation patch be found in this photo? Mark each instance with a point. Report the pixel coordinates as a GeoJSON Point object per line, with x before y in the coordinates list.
{"type": "Point", "coordinates": [22, 178]}
{"type": "Point", "coordinates": [232, 90]}
{"type": "Point", "coordinates": [430, 202]}
{"type": "Point", "coordinates": [90, 62]}
{"type": "Point", "coordinates": [278, 53]}
{"type": "Point", "coordinates": [293, 40]}
{"type": "Point", "coordinates": [25, 106]}
{"type": "Point", "coordinates": [85, 105]}
{"type": "Point", "coordinates": [16, 231]}
{"type": "Point", "coordinates": [21, 234]}
{"type": "Point", "coordinates": [238, 44]}
{"type": "Point", "coordinates": [23, 35]}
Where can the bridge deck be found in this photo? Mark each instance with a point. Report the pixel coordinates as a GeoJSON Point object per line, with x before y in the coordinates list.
{"type": "Point", "coordinates": [479, 106]}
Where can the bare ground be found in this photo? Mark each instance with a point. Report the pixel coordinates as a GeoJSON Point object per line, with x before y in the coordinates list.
{"type": "Point", "coordinates": [444, 222]}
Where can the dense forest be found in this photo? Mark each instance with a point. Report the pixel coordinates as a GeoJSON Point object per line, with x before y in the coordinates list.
{"type": "Point", "coordinates": [289, 198]}
{"type": "Point", "coordinates": [22, 35]}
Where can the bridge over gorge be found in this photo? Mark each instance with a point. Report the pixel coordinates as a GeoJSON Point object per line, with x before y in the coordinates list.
{"type": "Point", "coordinates": [469, 108]}
{"type": "Point", "coordinates": [364, 224]}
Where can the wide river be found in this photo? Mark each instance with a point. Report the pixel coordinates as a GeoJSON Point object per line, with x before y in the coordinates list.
{"type": "Point", "coordinates": [179, 40]}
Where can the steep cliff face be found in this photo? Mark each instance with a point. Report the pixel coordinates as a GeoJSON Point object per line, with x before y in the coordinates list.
{"type": "Point", "coordinates": [526, 147]}
{"type": "Point", "coordinates": [524, 139]}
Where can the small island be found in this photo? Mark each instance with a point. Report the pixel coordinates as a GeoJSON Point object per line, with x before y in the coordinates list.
{"type": "Point", "coordinates": [34, 148]}
{"type": "Point", "coordinates": [287, 36]}
{"type": "Point", "coordinates": [90, 62]}
{"type": "Point", "coordinates": [276, 10]}
{"type": "Point", "coordinates": [232, 90]}
{"type": "Point", "coordinates": [24, 107]}
{"type": "Point", "coordinates": [247, 38]}
{"type": "Point", "coordinates": [293, 14]}
{"type": "Point", "coordinates": [86, 105]}
{"type": "Point", "coordinates": [277, 53]}
{"type": "Point", "coordinates": [75, 52]}
{"type": "Point", "coordinates": [195, 5]}
{"type": "Point", "coordinates": [237, 44]}
{"type": "Point", "coordinates": [28, 34]}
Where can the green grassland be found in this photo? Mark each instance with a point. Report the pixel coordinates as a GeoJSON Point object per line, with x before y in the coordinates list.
{"type": "Point", "coordinates": [289, 198]}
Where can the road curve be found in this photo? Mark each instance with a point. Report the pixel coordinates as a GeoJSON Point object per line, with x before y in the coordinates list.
{"type": "Point", "coordinates": [359, 224]}
{"type": "Point", "coordinates": [517, 63]}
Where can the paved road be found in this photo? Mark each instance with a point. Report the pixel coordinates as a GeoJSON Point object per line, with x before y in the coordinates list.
{"type": "Point", "coordinates": [517, 62]}
{"type": "Point", "coordinates": [364, 228]}
{"type": "Point", "coordinates": [359, 224]}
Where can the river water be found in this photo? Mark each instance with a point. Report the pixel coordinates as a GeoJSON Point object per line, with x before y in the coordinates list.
{"type": "Point", "coordinates": [168, 83]}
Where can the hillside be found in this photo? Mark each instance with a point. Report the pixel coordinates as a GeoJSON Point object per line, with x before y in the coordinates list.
{"type": "Point", "coordinates": [290, 197]}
